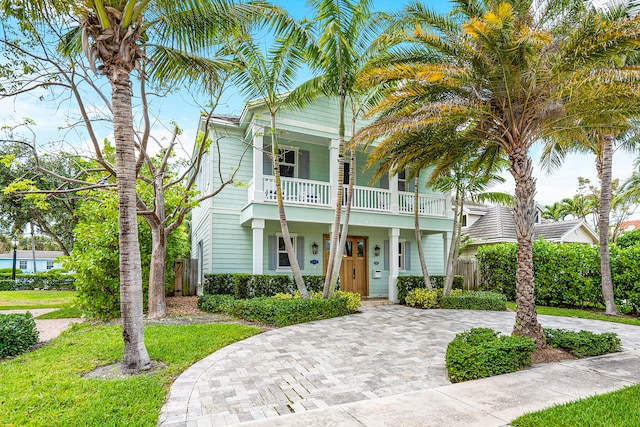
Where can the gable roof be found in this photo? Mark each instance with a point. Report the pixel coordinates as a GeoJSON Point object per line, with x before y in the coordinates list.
{"type": "Point", "coordinates": [498, 225]}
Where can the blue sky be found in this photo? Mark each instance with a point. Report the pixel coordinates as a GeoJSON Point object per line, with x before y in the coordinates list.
{"type": "Point", "coordinates": [182, 108]}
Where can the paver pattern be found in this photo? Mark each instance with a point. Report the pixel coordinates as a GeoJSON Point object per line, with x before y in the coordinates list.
{"type": "Point", "coordinates": [382, 351]}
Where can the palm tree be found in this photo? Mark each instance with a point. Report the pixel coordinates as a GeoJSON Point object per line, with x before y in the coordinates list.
{"type": "Point", "coordinates": [155, 39]}
{"type": "Point", "coordinates": [503, 72]}
{"type": "Point", "coordinates": [347, 29]}
{"type": "Point", "coordinates": [266, 77]}
{"type": "Point", "coordinates": [557, 211]}
{"type": "Point", "coordinates": [600, 132]}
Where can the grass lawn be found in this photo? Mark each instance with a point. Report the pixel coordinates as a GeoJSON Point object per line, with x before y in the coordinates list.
{"type": "Point", "coordinates": [582, 314]}
{"type": "Point", "coordinates": [12, 300]}
{"type": "Point", "coordinates": [46, 387]}
{"type": "Point", "coordinates": [611, 409]}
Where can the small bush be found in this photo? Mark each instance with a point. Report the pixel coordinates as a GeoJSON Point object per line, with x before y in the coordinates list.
{"type": "Point", "coordinates": [216, 303]}
{"type": "Point", "coordinates": [218, 284]}
{"type": "Point", "coordinates": [475, 301]}
{"type": "Point", "coordinates": [241, 286]}
{"type": "Point", "coordinates": [408, 283]}
{"type": "Point", "coordinates": [583, 343]}
{"type": "Point", "coordinates": [7, 285]}
{"type": "Point", "coordinates": [353, 299]}
{"type": "Point", "coordinates": [482, 352]}
{"type": "Point", "coordinates": [17, 333]}
{"type": "Point", "coordinates": [422, 298]}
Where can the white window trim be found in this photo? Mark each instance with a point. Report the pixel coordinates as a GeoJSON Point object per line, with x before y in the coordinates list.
{"type": "Point", "coordinates": [21, 263]}
{"type": "Point", "coordinates": [296, 164]}
{"type": "Point", "coordinates": [285, 269]}
{"type": "Point", "coordinates": [402, 244]}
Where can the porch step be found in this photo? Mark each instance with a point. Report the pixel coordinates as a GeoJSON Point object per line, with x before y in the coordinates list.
{"type": "Point", "coordinates": [371, 302]}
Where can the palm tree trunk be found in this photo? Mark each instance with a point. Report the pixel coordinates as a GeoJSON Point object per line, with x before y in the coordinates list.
{"type": "Point", "coordinates": [521, 169]}
{"type": "Point", "coordinates": [603, 225]}
{"type": "Point", "coordinates": [135, 357]}
{"type": "Point", "coordinates": [416, 226]}
{"type": "Point", "coordinates": [293, 260]}
{"type": "Point", "coordinates": [335, 251]}
{"type": "Point", "coordinates": [457, 215]}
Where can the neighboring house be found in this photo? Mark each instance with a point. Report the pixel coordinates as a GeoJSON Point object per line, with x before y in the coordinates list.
{"type": "Point", "coordinates": [45, 260]}
{"type": "Point", "coordinates": [630, 225]}
{"type": "Point", "coordinates": [486, 225]}
{"type": "Point", "coordinates": [238, 230]}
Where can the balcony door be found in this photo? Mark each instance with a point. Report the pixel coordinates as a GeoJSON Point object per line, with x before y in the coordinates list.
{"type": "Point", "coordinates": [354, 275]}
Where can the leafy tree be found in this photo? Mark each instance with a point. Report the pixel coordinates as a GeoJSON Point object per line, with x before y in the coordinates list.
{"type": "Point", "coordinates": [557, 211]}
{"type": "Point", "coordinates": [505, 74]}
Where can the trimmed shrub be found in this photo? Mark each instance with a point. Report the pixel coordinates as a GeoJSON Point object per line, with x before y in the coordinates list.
{"type": "Point", "coordinates": [408, 283]}
{"type": "Point", "coordinates": [475, 301]}
{"type": "Point", "coordinates": [7, 285]}
{"type": "Point", "coordinates": [218, 284]}
{"type": "Point", "coordinates": [315, 283]}
{"type": "Point", "coordinates": [583, 343]}
{"type": "Point", "coordinates": [17, 333]}
{"type": "Point", "coordinates": [482, 352]}
{"type": "Point", "coordinates": [353, 299]}
{"type": "Point", "coordinates": [53, 279]}
{"type": "Point", "coordinates": [422, 298]}
{"type": "Point", "coordinates": [241, 286]}
{"type": "Point", "coordinates": [277, 311]}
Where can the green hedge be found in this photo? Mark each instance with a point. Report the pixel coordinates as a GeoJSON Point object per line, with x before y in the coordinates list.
{"type": "Point", "coordinates": [475, 301]}
{"type": "Point", "coordinates": [17, 333]}
{"type": "Point", "coordinates": [48, 280]}
{"type": "Point", "coordinates": [583, 343]}
{"type": "Point", "coordinates": [482, 352]}
{"type": "Point", "coordinates": [566, 275]}
{"type": "Point", "coordinates": [7, 285]}
{"type": "Point", "coordinates": [243, 286]}
{"type": "Point", "coordinates": [408, 283]}
{"type": "Point", "coordinates": [276, 311]}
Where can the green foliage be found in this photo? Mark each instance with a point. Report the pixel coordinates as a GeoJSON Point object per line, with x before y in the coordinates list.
{"type": "Point", "coordinates": [63, 313]}
{"type": "Point", "coordinates": [408, 283]}
{"type": "Point", "coordinates": [566, 275]}
{"type": "Point", "coordinates": [353, 299]}
{"type": "Point", "coordinates": [282, 309]}
{"type": "Point", "coordinates": [630, 238]}
{"type": "Point", "coordinates": [7, 285]}
{"type": "Point", "coordinates": [53, 279]}
{"type": "Point", "coordinates": [17, 333]}
{"type": "Point", "coordinates": [243, 286]}
{"type": "Point", "coordinates": [482, 352]}
{"type": "Point", "coordinates": [46, 387]}
{"type": "Point", "coordinates": [95, 258]}
{"type": "Point", "coordinates": [583, 343]}
{"type": "Point", "coordinates": [475, 301]}
{"type": "Point", "coordinates": [421, 298]}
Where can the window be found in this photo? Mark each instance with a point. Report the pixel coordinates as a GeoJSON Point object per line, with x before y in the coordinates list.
{"type": "Point", "coordinates": [464, 220]}
{"type": "Point", "coordinates": [283, 257]}
{"type": "Point", "coordinates": [345, 178]}
{"type": "Point", "coordinates": [288, 163]}
{"type": "Point", "coordinates": [402, 181]}
{"type": "Point", "coordinates": [401, 255]}
{"type": "Point", "coordinates": [23, 265]}
{"type": "Point", "coordinates": [49, 265]}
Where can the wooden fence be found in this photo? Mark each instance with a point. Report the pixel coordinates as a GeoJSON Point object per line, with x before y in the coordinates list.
{"type": "Point", "coordinates": [469, 269]}
{"type": "Point", "coordinates": [185, 276]}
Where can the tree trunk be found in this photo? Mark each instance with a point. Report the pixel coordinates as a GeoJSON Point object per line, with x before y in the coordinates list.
{"type": "Point", "coordinates": [521, 169]}
{"type": "Point", "coordinates": [335, 251]}
{"type": "Point", "coordinates": [157, 303]}
{"type": "Point", "coordinates": [457, 214]}
{"type": "Point", "coordinates": [416, 226]}
{"type": "Point", "coordinates": [603, 224]}
{"type": "Point", "coordinates": [293, 260]}
{"type": "Point", "coordinates": [135, 357]}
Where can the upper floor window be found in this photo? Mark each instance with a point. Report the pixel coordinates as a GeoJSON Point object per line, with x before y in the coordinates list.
{"type": "Point", "coordinates": [288, 163]}
{"type": "Point", "coordinates": [402, 180]}
{"type": "Point", "coordinates": [464, 220]}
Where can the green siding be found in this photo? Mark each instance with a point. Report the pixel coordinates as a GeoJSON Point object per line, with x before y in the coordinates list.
{"type": "Point", "coordinates": [232, 245]}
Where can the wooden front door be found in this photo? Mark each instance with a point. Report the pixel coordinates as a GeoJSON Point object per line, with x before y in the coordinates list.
{"type": "Point", "coordinates": [354, 275]}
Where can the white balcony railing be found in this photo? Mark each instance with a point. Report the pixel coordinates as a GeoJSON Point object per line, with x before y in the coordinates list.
{"type": "Point", "coordinates": [317, 193]}
{"type": "Point", "coordinates": [298, 191]}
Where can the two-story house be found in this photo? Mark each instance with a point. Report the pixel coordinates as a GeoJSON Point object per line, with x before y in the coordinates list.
{"type": "Point", "coordinates": [238, 230]}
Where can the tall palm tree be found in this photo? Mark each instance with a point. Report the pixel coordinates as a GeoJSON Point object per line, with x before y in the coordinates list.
{"type": "Point", "coordinates": [557, 211]}
{"type": "Point", "coordinates": [503, 72]}
{"type": "Point", "coordinates": [160, 39]}
{"type": "Point", "coordinates": [346, 32]}
{"type": "Point", "coordinates": [600, 132]}
{"type": "Point", "coordinates": [266, 77]}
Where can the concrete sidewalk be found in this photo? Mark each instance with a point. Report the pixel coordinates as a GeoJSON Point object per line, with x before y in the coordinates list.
{"type": "Point", "coordinates": [383, 367]}
{"type": "Point", "coordinates": [48, 329]}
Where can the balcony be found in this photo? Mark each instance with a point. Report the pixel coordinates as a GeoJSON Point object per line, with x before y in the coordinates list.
{"type": "Point", "coordinates": [317, 193]}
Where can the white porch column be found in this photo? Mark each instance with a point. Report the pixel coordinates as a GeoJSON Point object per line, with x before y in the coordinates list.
{"type": "Point", "coordinates": [257, 226]}
{"type": "Point", "coordinates": [333, 170]}
{"type": "Point", "coordinates": [394, 268]}
{"type": "Point", "coordinates": [258, 145]}
{"type": "Point", "coordinates": [393, 187]}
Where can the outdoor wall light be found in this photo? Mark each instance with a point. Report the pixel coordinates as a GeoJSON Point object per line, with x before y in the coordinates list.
{"type": "Point", "coordinates": [314, 248]}
{"type": "Point", "coordinates": [376, 250]}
